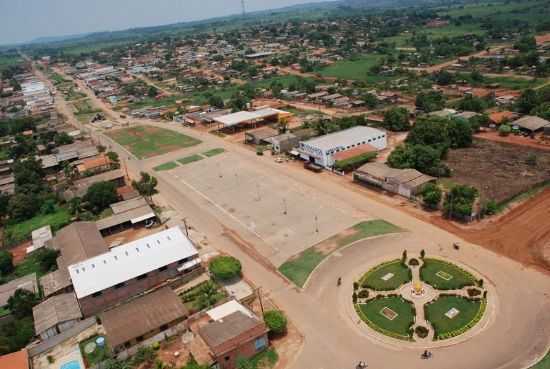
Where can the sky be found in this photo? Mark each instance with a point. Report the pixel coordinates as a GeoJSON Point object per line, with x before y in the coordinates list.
{"type": "Point", "coordinates": [25, 20]}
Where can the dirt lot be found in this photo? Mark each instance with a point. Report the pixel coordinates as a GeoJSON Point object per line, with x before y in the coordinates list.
{"type": "Point", "coordinates": [522, 234]}
{"type": "Point", "coordinates": [499, 171]}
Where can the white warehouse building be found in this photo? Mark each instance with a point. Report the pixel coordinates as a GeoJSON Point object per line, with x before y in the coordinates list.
{"type": "Point", "coordinates": [321, 150]}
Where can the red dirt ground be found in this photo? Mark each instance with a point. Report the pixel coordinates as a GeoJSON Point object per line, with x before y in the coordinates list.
{"type": "Point", "coordinates": [522, 234]}
{"type": "Point", "coordinates": [515, 140]}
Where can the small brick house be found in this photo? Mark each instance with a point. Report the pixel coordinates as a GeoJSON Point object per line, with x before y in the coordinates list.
{"type": "Point", "coordinates": [234, 333]}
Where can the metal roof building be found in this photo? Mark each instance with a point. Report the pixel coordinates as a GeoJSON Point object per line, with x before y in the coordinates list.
{"type": "Point", "coordinates": [143, 315]}
{"type": "Point", "coordinates": [531, 123]}
{"type": "Point", "coordinates": [27, 282]}
{"type": "Point", "coordinates": [245, 117]}
{"type": "Point", "coordinates": [56, 314]}
{"type": "Point", "coordinates": [131, 260]}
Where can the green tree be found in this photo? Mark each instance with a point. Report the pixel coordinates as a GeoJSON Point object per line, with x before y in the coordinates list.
{"type": "Point", "coordinates": [431, 195]}
{"type": "Point", "coordinates": [146, 186]}
{"type": "Point", "coordinates": [370, 100]}
{"type": "Point", "coordinates": [192, 364]}
{"type": "Point", "coordinates": [62, 138]}
{"type": "Point", "coordinates": [460, 133]}
{"type": "Point", "coordinates": [216, 101]}
{"type": "Point", "coordinates": [113, 157]}
{"type": "Point", "coordinates": [472, 103]}
{"type": "Point", "coordinates": [6, 262]}
{"type": "Point", "coordinates": [430, 101]}
{"type": "Point", "coordinates": [459, 201]}
{"type": "Point", "coordinates": [276, 321]}
{"type": "Point", "coordinates": [21, 303]}
{"type": "Point", "coordinates": [208, 295]}
{"type": "Point", "coordinates": [152, 92]}
{"type": "Point", "coordinates": [23, 206]}
{"type": "Point", "coordinates": [100, 195]}
{"type": "Point", "coordinates": [397, 119]}
{"type": "Point", "coordinates": [504, 130]}
{"type": "Point", "coordinates": [225, 267]}
{"type": "Point", "coordinates": [527, 101]}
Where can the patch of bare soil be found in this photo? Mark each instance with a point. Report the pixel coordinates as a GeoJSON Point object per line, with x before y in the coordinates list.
{"type": "Point", "coordinates": [499, 171]}
{"type": "Point", "coordinates": [522, 234]}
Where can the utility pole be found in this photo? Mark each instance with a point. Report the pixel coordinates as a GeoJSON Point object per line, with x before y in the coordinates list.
{"type": "Point", "coordinates": [259, 292]}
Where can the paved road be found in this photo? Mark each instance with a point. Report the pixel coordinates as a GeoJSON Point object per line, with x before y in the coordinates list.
{"type": "Point", "coordinates": [518, 334]}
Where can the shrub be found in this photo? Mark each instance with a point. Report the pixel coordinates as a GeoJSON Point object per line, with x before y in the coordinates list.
{"type": "Point", "coordinates": [6, 262]}
{"type": "Point", "coordinates": [422, 254]}
{"type": "Point", "coordinates": [431, 195]}
{"type": "Point", "coordinates": [504, 130]}
{"type": "Point", "coordinates": [276, 321]}
{"type": "Point", "coordinates": [414, 262]}
{"type": "Point", "coordinates": [225, 267]}
{"type": "Point", "coordinates": [421, 331]}
{"type": "Point", "coordinates": [354, 298]}
{"type": "Point", "coordinates": [480, 283]}
{"type": "Point", "coordinates": [355, 286]}
{"type": "Point", "coordinates": [363, 294]}
{"type": "Point", "coordinates": [472, 292]}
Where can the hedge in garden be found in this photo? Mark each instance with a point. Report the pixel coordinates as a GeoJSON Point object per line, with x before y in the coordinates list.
{"type": "Point", "coordinates": [225, 267]}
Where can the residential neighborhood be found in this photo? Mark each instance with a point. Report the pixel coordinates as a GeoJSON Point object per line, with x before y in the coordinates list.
{"type": "Point", "coordinates": [335, 184]}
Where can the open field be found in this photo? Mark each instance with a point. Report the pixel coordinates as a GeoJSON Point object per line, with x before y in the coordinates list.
{"type": "Point", "coordinates": [356, 69]}
{"type": "Point", "coordinates": [435, 313]}
{"type": "Point", "coordinates": [19, 232]}
{"type": "Point", "coordinates": [511, 173]}
{"type": "Point", "coordinates": [145, 141]}
{"type": "Point", "coordinates": [372, 313]}
{"type": "Point", "coordinates": [299, 267]}
{"type": "Point", "coordinates": [84, 107]}
{"type": "Point", "coordinates": [445, 276]}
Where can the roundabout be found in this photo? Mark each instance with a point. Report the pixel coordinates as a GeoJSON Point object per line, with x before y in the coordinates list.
{"type": "Point", "coordinates": [422, 300]}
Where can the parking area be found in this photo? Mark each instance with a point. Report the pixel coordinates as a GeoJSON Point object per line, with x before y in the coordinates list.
{"type": "Point", "coordinates": [288, 215]}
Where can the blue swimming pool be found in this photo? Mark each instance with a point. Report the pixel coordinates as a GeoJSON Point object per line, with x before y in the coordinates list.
{"type": "Point", "coordinates": [70, 365]}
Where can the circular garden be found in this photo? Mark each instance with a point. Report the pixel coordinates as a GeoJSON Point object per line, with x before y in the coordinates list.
{"type": "Point", "coordinates": [419, 299]}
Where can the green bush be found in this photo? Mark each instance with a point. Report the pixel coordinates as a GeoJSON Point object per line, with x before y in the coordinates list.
{"type": "Point", "coordinates": [363, 294]}
{"type": "Point", "coordinates": [354, 162]}
{"type": "Point", "coordinates": [504, 130]}
{"type": "Point", "coordinates": [276, 321]}
{"type": "Point", "coordinates": [421, 331]}
{"type": "Point", "coordinates": [225, 267]}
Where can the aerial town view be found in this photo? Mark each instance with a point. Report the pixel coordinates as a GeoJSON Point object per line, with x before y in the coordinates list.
{"type": "Point", "coordinates": [275, 184]}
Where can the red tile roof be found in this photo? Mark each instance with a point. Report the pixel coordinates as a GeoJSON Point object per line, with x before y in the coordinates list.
{"type": "Point", "coordinates": [15, 360]}
{"type": "Point", "coordinates": [363, 149]}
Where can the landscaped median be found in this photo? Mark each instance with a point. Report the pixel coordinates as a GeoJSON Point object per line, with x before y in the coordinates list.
{"type": "Point", "coordinates": [188, 160]}
{"type": "Point", "coordinates": [471, 312]}
{"type": "Point", "coordinates": [299, 267]}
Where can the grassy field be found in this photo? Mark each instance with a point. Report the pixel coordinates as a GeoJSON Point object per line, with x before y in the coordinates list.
{"type": "Point", "coordinates": [454, 31]}
{"type": "Point", "coordinates": [57, 78]}
{"type": "Point", "coordinates": [373, 278]}
{"type": "Point", "coordinates": [457, 279]}
{"type": "Point", "coordinates": [358, 69]}
{"type": "Point", "coordinates": [298, 268]}
{"type": "Point", "coordinates": [488, 9]}
{"type": "Point", "coordinates": [544, 363]}
{"type": "Point", "coordinates": [435, 313]}
{"type": "Point", "coordinates": [399, 325]}
{"type": "Point", "coordinates": [145, 142]}
{"type": "Point", "coordinates": [9, 60]}
{"type": "Point", "coordinates": [152, 102]}
{"type": "Point", "coordinates": [213, 152]}
{"type": "Point", "coordinates": [98, 355]}
{"type": "Point", "coordinates": [19, 232]}
{"type": "Point", "coordinates": [85, 107]}
{"type": "Point", "coordinates": [166, 166]}
{"type": "Point", "coordinates": [190, 159]}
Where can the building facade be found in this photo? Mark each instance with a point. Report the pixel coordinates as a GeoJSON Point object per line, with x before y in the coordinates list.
{"type": "Point", "coordinates": [321, 150]}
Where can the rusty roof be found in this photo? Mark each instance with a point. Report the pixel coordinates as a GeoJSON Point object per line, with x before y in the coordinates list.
{"type": "Point", "coordinates": [55, 310]}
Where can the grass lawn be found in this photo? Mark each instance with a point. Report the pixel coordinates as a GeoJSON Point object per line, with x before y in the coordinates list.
{"type": "Point", "coordinates": [190, 159]}
{"type": "Point", "coordinates": [373, 278]}
{"type": "Point", "coordinates": [298, 268]}
{"type": "Point", "coordinates": [166, 166]}
{"type": "Point", "coordinates": [145, 141]}
{"type": "Point", "coordinates": [369, 228]}
{"type": "Point", "coordinates": [544, 363]}
{"type": "Point", "coordinates": [4, 311]}
{"type": "Point", "coordinates": [213, 152]}
{"type": "Point", "coordinates": [85, 107]}
{"type": "Point", "coordinates": [357, 69]}
{"type": "Point", "coordinates": [19, 232]}
{"type": "Point", "coordinates": [264, 360]}
{"type": "Point", "coordinates": [435, 313]}
{"type": "Point", "coordinates": [98, 355]}
{"type": "Point", "coordinates": [370, 312]}
{"type": "Point", "coordinates": [450, 276]}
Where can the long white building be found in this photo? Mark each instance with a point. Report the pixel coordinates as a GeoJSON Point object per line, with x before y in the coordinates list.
{"type": "Point", "coordinates": [321, 150]}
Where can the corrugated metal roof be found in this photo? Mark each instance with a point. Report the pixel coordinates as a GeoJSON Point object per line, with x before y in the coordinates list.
{"type": "Point", "coordinates": [133, 216]}
{"type": "Point", "coordinates": [55, 310]}
{"type": "Point", "coordinates": [27, 282]}
{"type": "Point", "coordinates": [79, 241]}
{"type": "Point", "coordinates": [129, 261]}
{"type": "Point", "coordinates": [531, 123]}
{"type": "Point", "coordinates": [123, 206]}
{"type": "Point", "coordinates": [142, 315]}
{"type": "Point", "coordinates": [247, 116]}
{"type": "Point", "coordinates": [344, 138]}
